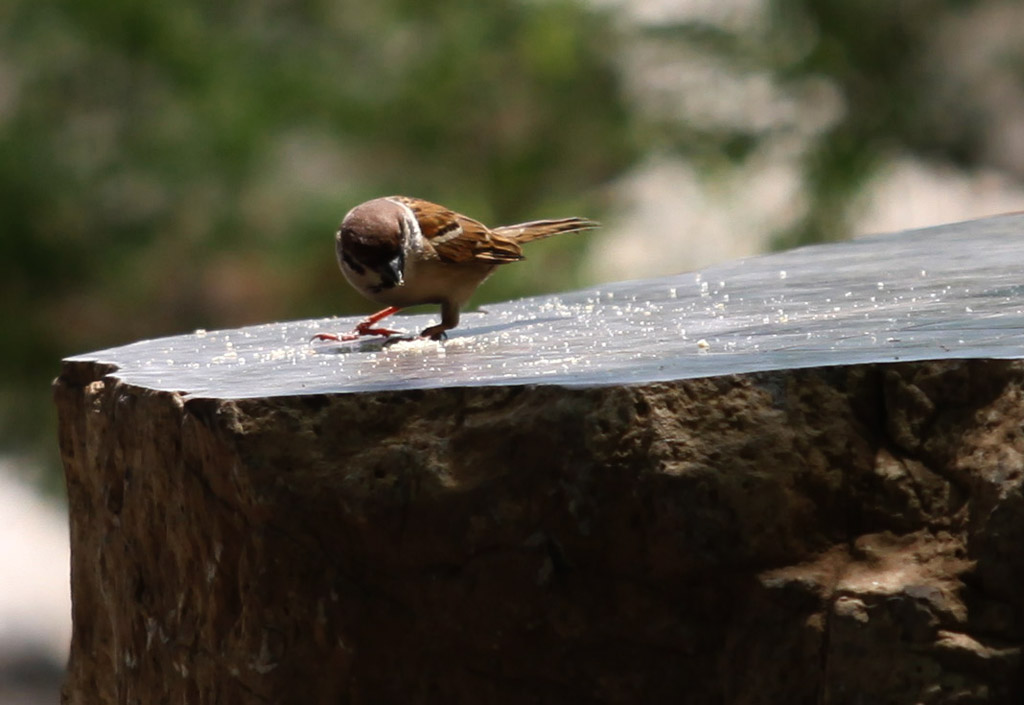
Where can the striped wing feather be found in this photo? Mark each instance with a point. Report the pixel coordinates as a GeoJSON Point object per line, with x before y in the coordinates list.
{"type": "Point", "coordinates": [459, 239]}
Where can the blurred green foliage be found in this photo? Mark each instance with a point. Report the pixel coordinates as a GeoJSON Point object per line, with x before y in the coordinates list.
{"type": "Point", "coordinates": [171, 166]}
{"type": "Point", "coordinates": [927, 79]}
{"type": "Point", "coordinates": [881, 56]}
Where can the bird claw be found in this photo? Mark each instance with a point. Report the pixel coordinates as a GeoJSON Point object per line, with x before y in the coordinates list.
{"type": "Point", "coordinates": [435, 333]}
{"type": "Point", "coordinates": [334, 337]}
{"type": "Point", "coordinates": [365, 329]}
{"type": "Point", "coordinates": [362, 330]}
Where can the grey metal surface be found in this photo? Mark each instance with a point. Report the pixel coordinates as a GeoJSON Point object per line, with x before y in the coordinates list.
{"type": "Point", "coordinates": [955, 291]}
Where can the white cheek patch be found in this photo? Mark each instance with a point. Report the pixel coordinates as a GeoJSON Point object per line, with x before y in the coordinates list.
{"type": "Point", "coordinates": [412, 233]}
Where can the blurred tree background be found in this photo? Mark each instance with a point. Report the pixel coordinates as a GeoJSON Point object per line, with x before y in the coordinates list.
{"type": "Point", "coordinates": [172, 166]}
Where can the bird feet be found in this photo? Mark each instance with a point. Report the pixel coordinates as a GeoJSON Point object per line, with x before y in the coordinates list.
{"type": "Point", "coordinates": [356, 335]}
{"type": "Point", "coordinates": [437, 332]}
{"type": "Point", "coordinates": [364, 328]}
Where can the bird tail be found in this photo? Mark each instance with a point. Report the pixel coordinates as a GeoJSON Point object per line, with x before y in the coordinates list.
{"type": "Point", "coordinates": [540, 229]}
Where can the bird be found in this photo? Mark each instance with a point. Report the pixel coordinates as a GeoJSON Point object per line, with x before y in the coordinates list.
{"type": "Point", "coordinates": [400, 251]}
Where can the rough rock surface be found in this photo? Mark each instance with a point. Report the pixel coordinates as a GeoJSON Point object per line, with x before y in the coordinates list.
{"type": "Point", "coordinates": [838, 535]}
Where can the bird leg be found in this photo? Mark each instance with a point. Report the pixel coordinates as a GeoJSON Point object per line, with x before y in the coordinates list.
{"type": "Point", "coordinates": [364, 327]}
{"type": "Point", "coordinates": [449, 319]}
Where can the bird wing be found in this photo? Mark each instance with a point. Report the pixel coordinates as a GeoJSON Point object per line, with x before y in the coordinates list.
{"type": "Point", "coordinates": [459, 239]}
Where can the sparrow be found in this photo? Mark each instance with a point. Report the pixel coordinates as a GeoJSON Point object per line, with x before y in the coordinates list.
{"type": "Point", "coordinates": [400, 251]}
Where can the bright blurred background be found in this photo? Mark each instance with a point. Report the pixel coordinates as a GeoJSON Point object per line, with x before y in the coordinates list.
{"type": "Point", "coordinates": [172, 166]}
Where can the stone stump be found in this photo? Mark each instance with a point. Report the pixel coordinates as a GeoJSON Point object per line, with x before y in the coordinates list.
{"type": "Point", "coordinates": [792, 479]}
